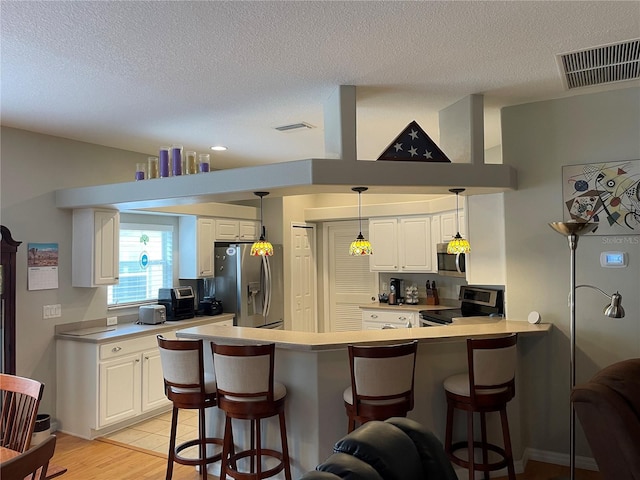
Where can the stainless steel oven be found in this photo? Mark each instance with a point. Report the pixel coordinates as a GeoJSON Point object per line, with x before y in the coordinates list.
{"type": "Point", "coordinates": [450, 264]}
{"type": "Point", "coordinates": [474, 302]}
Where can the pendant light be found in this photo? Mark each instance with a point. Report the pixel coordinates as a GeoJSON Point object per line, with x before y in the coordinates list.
{"type": "Point", "coordinates": [360, 246]}
{"type": "Point", "coordinates": [458, 244]}
{"type": "Point", "coordinates": [262, 247]}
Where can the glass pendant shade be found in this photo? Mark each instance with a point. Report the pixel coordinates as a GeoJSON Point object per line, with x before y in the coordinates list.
{"type": "Point", "coordinates": [458, 244]}
{"type": "Point", "coordinates": [262, 247]}
{"type": "Point", "coordinates": [360, 246]}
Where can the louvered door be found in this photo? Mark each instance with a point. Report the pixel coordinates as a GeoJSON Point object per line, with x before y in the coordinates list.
{"type": "Point", "coordinates": [351, 283]}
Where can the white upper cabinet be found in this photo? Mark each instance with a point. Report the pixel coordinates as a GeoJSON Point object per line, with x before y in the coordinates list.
{"type": "Point", "coordinates": [95, 257]}
{"type": "Point", "coordinates": [229, 230]}
{"type": "Point", "coordinates": [197, 236]}
{"type": "Point", "coordinates": [415, 246]}
{"type": "Point", "coordinates": [383, 235]}
{"type": "Point", "coordinates": [401, 244]}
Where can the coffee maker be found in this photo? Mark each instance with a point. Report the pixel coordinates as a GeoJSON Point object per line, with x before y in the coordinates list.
{"type": "Point", "coordinates": [397, 286]}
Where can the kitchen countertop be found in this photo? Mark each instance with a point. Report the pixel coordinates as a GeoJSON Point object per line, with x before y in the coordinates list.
{"type": "Point", "coordinates": [408, 307]}
{"type": "Point", "coordinates": [461, 329]}
{"type": "Point", "coordinates": [104, 334]}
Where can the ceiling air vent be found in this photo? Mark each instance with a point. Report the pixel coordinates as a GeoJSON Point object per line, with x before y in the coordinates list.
{"type": "Point", "coordinates": [616, 62]}
{"type": "Point", "coordinates": [294, 127]}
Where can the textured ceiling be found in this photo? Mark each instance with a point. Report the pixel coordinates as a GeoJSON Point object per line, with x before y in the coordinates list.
{"type": "Point", "coordinates": [139, 75]}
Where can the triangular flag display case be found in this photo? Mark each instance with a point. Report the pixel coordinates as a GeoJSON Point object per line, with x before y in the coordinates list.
{"type": "Point", "coordinates": [414, 145]}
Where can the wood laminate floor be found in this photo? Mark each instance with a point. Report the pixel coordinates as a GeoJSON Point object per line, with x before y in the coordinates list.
{"type": "Point", "coordinates": [140, 453]}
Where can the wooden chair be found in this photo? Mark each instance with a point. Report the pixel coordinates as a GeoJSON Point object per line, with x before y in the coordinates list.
{"type": "Point", "coordinates": [20, 398]}
{"type": "Point", "coordinates": [188, 387]}
{"type": "Point", "coordinates": [487, 387]}
{"type": "Point", "coordinates": [32, 464]}
{"type": "Point", "coordinates": [382, 380]}
{"type": "Point", "coordinates": [247, 391]}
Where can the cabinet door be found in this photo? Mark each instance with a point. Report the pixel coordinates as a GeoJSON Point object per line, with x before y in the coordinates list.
{"type": "Point", "coordinates": [196, 246]}
{"type": "Point", "coordinates": [448, 225]}
{"type": "Point", "coordinates": [249, 231]}
{"type": "Point", "coordinates": [415, 245]}
{"type": "Point", "coordinates": [153, 395]}
{"type": "Point", "coordinates": [227, 230]}
{"type": "Point", "coordinates": [107, 246]}
{"type": "Point", "coordinates": [119, 389]}
{"type": "Point", "coordinates": [383, 234]}
{"type": "Point", "coordinates": [206, 234]}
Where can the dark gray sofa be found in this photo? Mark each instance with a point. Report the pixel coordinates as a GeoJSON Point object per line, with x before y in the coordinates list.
{"type": "Point", "coordinates": [396, 449]}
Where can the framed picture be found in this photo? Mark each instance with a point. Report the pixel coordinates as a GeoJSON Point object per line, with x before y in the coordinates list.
{"type": "Point", "coordinates": [605, 193]}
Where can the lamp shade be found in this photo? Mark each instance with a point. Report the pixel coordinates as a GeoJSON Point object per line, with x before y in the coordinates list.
{"type": "Point", "coordinates": [262, 248]}
{"type": "Point", "coordinates": [360, 246]}
{"type": "Point", "coordinates": [458, 245]}
{"type": "Point", "coordinates": [614, 309]}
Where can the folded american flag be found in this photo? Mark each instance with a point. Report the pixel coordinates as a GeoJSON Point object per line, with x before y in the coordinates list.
{"type": "Point", "coordinates": [414, 145]}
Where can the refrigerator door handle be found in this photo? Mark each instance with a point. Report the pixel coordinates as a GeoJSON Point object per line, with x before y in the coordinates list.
{"type": "Point", "coordinates": [267, 293]}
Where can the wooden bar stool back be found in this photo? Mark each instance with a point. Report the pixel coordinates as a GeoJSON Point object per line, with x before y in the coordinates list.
{"type": "Point", "coordinates": [382, 382]}
{"type": "Point", "coordinates": [247, 391]}
{"type": "Point", "coordinates": [188, 387]}
{"type": "Point", "coordinates": [487, 387]}
{"type": "Point", "coordinates": [20, 398]}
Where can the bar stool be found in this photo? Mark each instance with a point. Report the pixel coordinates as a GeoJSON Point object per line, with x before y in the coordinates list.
{"type": "Point", "coordinates": [382, 380]}
{"type": "Point", "coordinates": [487, 387]}
{"type": "Point", "coordinates": [246, 390]}
{"type": "Point", "coordinates": [188, 387]}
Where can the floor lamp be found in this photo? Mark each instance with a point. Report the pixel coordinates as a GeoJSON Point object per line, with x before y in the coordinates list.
{"type": "Point", "coordinates": [614, 310]}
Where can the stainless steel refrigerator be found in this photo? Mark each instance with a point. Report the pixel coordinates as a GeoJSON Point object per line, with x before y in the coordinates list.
{"type": "Point", "coordinates": [250, 287]}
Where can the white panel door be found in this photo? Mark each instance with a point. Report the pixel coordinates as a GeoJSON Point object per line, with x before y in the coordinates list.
{"type": "Point", "coordinates": [350, 282]}
{"type": "Point", "coordinates": [303, 281]}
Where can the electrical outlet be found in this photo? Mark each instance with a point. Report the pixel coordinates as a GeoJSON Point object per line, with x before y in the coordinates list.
{"type": "Point", "coordinates": [112, 321]}
{"type": "Point", "coordinates": [384, 286]}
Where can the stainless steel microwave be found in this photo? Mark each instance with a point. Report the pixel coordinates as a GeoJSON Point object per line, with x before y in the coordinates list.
{"type": "Point", "coordinates": [450, 264]}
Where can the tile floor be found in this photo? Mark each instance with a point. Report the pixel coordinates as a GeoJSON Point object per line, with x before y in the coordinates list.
{"type": "Point", "coordinates": [153, 434]}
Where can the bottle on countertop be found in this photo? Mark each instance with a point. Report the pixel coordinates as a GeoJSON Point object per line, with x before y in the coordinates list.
{"type": "Point", "coordinates": [430, 297]}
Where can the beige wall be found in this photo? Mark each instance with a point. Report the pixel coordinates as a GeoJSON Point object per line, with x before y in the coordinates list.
{"type": "Point", "coordinates": [538, 139]}
{"type": "Point", "coordinates": [33, 167]}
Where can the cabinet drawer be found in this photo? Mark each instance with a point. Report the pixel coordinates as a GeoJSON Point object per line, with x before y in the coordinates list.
{"type": "Point", "coordinates": [125, 347]}
{"type": "Point", "coordinates": [381, 318]}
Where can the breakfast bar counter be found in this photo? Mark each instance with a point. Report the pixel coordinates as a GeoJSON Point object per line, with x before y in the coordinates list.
{"type": "Point", "coordinates": [315, 369]}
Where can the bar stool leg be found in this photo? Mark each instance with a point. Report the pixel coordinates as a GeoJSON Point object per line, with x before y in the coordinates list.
{"type": "Point", "coordinates": [485, 451]}
{"type": "Point", "coordinates": [448, 441]}
{"type": "Point", "coordinates": [507, 443]}
{"type": "Point", "coordinates": [226, 450]}
{"type": "Point", "coordinates": [203, 444]}
{"type": "Point", "coordinates": [470, 449]}
{"type": "Point", "coordinates": [172, 443]}
{"type": "Point", "coordinates": [258, 448]}
{"type": "Point", "coordinates": [285, 447]}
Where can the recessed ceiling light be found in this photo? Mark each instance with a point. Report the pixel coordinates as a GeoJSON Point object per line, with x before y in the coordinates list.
{"type": "Point", "coordinates": [219, 148]}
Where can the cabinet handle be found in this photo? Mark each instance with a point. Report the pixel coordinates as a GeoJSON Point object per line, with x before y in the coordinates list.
{"type": "Point", "coordinates": [374, 316]}
{"type": "Point", "coordinates": [146, 358]}
{"type": "Point", "coordinates": [116, 349]}
{"type": "Point", "coordinates": [137, 360]}
{"type": "Point", "coordinates": [387, 326]}
{"type": "Point", "coordinates": [402, 318]}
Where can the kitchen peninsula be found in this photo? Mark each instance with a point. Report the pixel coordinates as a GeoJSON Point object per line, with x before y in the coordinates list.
{"type": "Point", "coordinates": [315, 369]}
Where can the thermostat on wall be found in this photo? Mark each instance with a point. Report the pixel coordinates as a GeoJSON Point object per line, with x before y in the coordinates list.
{"type": "Point", "coordinates": [614, 259]}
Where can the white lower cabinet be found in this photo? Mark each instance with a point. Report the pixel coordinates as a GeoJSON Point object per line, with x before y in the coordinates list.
{"type": "Point", "coordinates": [100, 386]}
{"type": "Point", "coordinates": [375, 319]}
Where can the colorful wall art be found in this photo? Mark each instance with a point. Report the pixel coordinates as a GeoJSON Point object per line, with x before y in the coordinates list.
{"type": "Point", "coordinates": [605, 193]}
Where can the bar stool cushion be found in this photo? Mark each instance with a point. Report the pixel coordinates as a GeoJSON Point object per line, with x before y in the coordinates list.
{"type": "Point", "coordinates": [459, 385]}
{"type": "Point", "coordinates": [348, 397]}
{"type": "Point", "coordinates": [209, 385]}
{"type": "Point", "coordinates": [386, 448]}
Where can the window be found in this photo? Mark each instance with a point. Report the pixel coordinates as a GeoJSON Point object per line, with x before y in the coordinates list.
{"type": "Point", "coordinates": [146, 263]}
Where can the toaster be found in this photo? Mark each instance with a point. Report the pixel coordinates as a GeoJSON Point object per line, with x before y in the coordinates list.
{"type": "Point", "coordinates": [152, 314]}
